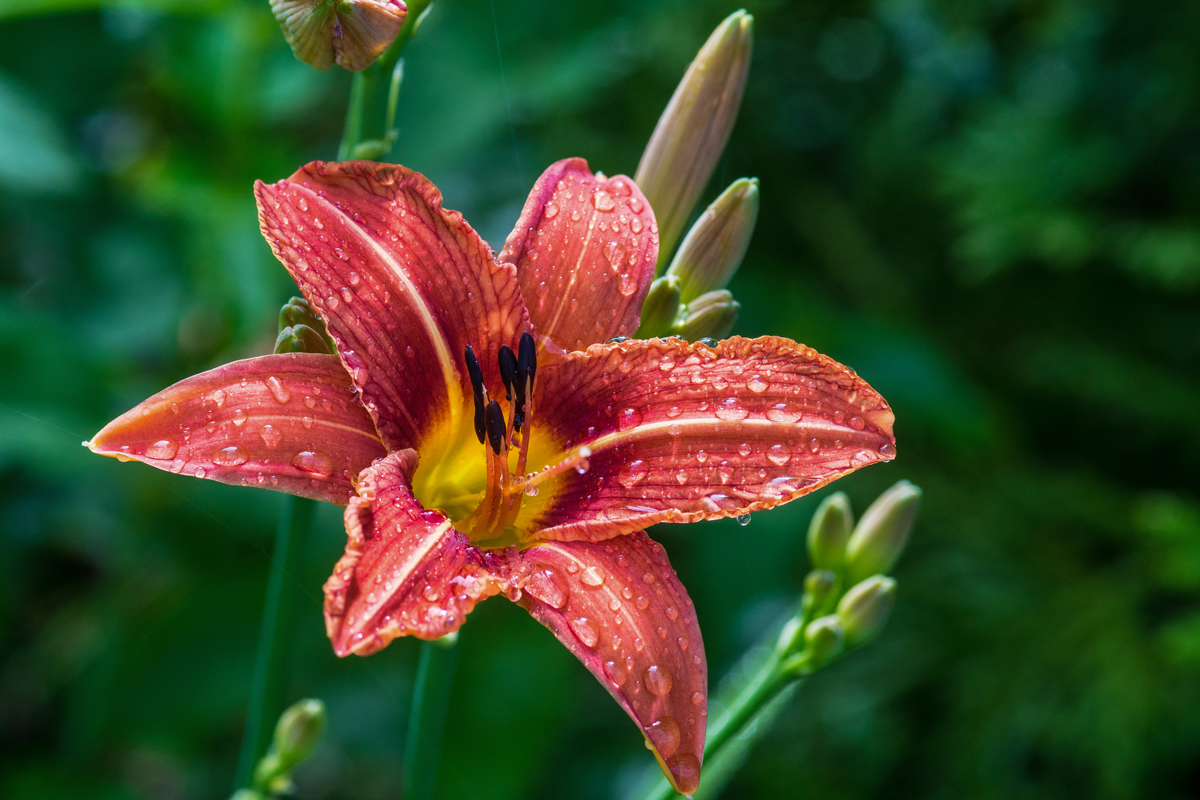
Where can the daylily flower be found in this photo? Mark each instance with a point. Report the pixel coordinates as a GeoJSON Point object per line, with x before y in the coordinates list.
{"type": "Point", "coordinates": [491, 431]}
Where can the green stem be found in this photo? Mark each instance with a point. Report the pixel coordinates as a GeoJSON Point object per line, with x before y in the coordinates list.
{"type": "Point", "coordinates": [352, 133]}
{"type": "Point", "coordinates": [427, 717]}
{"type": "Point", "coordinates": [767, 684]}
{"type": "Point", "coordinates": [266, 688]}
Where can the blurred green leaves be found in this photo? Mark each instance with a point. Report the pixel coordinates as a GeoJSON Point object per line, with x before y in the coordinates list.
{"type": "Point", "coordinates": [34, 154]}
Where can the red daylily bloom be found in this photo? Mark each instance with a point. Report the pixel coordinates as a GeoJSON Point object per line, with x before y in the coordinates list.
{"type": "Point", "coordinates": [487, 437]}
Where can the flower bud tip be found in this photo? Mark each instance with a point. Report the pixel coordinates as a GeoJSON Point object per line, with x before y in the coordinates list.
{"type": "Point", "coordinates": [829, 532]}
{"type": "Point", "coordinates": [881, 534]}
{"type": "Point", "coordinates": [865, 608]}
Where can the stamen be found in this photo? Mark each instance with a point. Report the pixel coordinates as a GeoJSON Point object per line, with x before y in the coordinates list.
{"type": "Point", "coordinates": [579, 461]}
{"type": "Point", "coordinates": [477, 386]}
{"type": "Point", "coordinates": [526, 367]}
{"type": "Point", "coordinates": [496, 427]}
{"type": "Point", "coordinates": [508, 370]}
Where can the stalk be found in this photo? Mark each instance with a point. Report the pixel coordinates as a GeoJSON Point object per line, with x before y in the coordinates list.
{"type": "Point", "coordinates": [427, 717]}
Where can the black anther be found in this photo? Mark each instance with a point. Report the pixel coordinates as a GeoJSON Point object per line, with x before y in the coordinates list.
{"type": "Point", "coordinates": [526, 368]}
{"type": "Point", "coordinates": [508, 370]}
{"type": "Point", "coordinates": [496, 428]}
{"type": "Point", "coordinates": [477, 386]}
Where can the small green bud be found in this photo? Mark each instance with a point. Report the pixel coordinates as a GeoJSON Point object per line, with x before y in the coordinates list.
{"type": "Point", "coordinates": [824, 638]}
{"type": "Point", "coordinates": [301, 339]}
{"type": "Point", "coordinates": [789, 636]}
{"type": "Point", "coordinates": [881, 534]}
{"type": "Point", "coordinates": [819, 588]}
{"type": "Point", "coordinates": [692, 132]}
{"type": "Point", "coordinates": [865, 608]}
{"type": "Point", "coordinates": [829, 532]}
{"type": "Point", "coordinates": [297, 311]}
{"type": "Point", "coordinates": [660, 308]}
{"type": "Point", "coordinates": [713, 249]}
{"type": "Point", "coordinates": [710, 315]}
{"type": "Point", "coordinates": [299, 730]}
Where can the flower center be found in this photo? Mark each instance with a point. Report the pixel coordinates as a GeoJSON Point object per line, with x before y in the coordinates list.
{"type": "Point", "coordinates": [506, 437]}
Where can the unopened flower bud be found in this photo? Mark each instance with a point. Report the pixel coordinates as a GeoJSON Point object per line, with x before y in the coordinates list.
{"type": "Point", "coordinates": [350, 33]}
{"type": "Point", "coordinates": [824, 639]}
{"type": "Point", "coordinates": [865, 608]}
{"type": "Point", "coordinates": [301, 339]}
{"type": "Point", "coordinates": [881, 534]}
{"type": "Point", "coordinates": [710, 315]}
{"type": "Point", "coordinates": [660, 307]}
{"type": "Point", "coordinates": [829, 532]}
{"type": "Point", "coordinates": [713, 249]}
{"type": "Point", "coordinates": [693, 130]}
{"type": "Point", "coordinates": [818, 592]}
{"type": "Point", "coordinates": [299, 730]}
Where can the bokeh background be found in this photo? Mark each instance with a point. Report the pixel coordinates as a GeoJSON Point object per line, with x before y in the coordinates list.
{"type": "Point", "coordinates": [989, 208]}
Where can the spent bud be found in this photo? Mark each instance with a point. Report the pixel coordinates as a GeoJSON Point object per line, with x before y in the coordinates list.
{"type": "Point", "coordinates": [660, 307]}
{"type": "Point", "coordinates": [865, 608]}
{"type": "Point", "coordinates": [881, 534]}
{"type": "Point", "coordinates": [713, 249]}
{"type": "Point", "coordinates": [829, 532]}
{"type": "Point", "coordinates": [692, 132]}
{"type": "Point", "coordinates": [350, 33]}
{"type": "Point", "coordinates": [710, 315]}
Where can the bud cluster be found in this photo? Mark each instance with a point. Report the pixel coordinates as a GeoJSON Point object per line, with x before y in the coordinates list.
{"type": "Point", "coordinates": [847, 595]}
{"type": "Point", "coordinates": [690, 299]}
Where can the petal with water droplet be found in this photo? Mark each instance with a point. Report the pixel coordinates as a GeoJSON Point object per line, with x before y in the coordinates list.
{"type": "Point", "coordinates": [427, 286]}
{"type": "Point", "coordinates": [249, 433]}
{"type": "Point", "coordinates": [755, 432]}
{"type": "Point", "coordinates": [406, 571]}
{"type": "Point", "coordinates": [662, 686]}
{"type": "Point", "coordinates": [593, 251]}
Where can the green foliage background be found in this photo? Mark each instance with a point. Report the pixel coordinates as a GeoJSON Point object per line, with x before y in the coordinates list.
{"type": "Point", "coordinates": [989, 208]}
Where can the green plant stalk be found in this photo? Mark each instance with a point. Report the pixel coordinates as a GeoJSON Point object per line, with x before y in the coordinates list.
{"type": "Point", "coordinates": [365, 87]}
{"type": "Point", "coordinates": [427, 717]}
{"type": "Point", "coordinates": [775, 677]}
{"type": "Point", "coordinates": [295, 520]}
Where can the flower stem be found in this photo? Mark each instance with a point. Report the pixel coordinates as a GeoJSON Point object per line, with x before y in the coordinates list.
{"type": "Point", "coordinates": [266, 687]}
{"type": "Point", "coordinates": [427, 717]}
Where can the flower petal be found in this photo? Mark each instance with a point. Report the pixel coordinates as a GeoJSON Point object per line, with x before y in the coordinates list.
{"type": "Point", "coordinates": [620, 608]}
{"type": "Point", "coordinates": [286, 422]}
{"type": "Point", "coordinates": [406, 571]}
{"type": "Point", "coordinates": [403, 285]}
{"type": "Point", "coordinates": [353, 33]}
{"type": "Point", "coordinates": [585, 250]}
{"type": "Point", "coordinates": [680, 432]}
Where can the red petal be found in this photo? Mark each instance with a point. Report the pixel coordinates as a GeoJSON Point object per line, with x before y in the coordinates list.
{"type": "Point", "coordinates": [284, 422]}
{"type": "Point", "coordinates": [619, 607]}
{"type": "Point", "coordinates": [681, 432]}
{"type": "Point", "coordinates": [406, 571]}
{"type": "Point", "coordinates": [585, 251]}
{"type": "Point", "coordinates": [403, 284]}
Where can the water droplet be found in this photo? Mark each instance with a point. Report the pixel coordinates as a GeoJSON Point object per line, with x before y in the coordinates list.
{"type": "Point", "coordinates": [306, 422]}
{"type": "Point", "coordinates": [602, 201]}
{"type": "Point", "coordinates": [778, 455]}
{"type": "Point", "coordinates": [743, 520]}
{"type": "Point", "coordinates": [672, 613]}
{"type": "Point", "coordinates": [697, 698]}
{"type": "Point", "coordinates": [303, 204]}
{"type": "Point", "coordinates": [744, 449]}
{"type": "Point", "coordinates": [278, 390]}
{"type": "Point", "coordinates": [664, 734]}
{"type": "Point", "coordinates": [658, 680]}
{"type": "Point", "coordinates": [629, 418]}
{"type": "Point", "coordinates": [730, 409]}
{"type": "Point", "coordinates": [616, 673]}
{"type": "Point", "coordinates": [757, 384]}
{"type": "Point", "coordinates": [628, 284]}
{"type": "Point", "coordinates": [340, 253]}
{"type": "Point", "coordinates": [548, 585]}
{"type": "Point", "coordinates": [642, 602]}
{"type": "Point", "coordinates": [681, 477]}
{"type": "Point", "coordinates": [635, 474]}
{"type": "Point", "coordinates": [682, 641]}
{"type": "Point", "coordinates": [332, 301]}
{"type": "Point", "coordinates": [635, 225]}
{"type": "Point", "coordinates": [200, 473]}
{"type": "Point", "coordinates": [163, 448]}
{"type": "Point", "coordinates": [531, 489]}
{"type": "Point", "coordinates": [674, 411]}
{"type": "Point", "coordinates": [685, 767]}
{"type": "Point", "coordinates": [270, 435]}
{"type": "Point", "coordinates": [636, 205]}
{"type": "Point", "coordinates": [582, 628]}
{"type": "Point", "coordinates": [666, 363]}
{"type": "Point", "coordinates": [218, 397]}
{"type": "Point", "coordinates": [239, 417]}
{"type": "Point", "coordinates": [782, 412]}
{"type": "Point", "coordinates": [592, 576]}
{"type": "Point", "coordinates": [310, 402]}
{"type": "Point", "coordinates": [885, 449]}
{"type": "Point", "coordinates": [551, 210]}
{"type": "Point", "coordinates": [814, 445]}
{"type": "Point", "coordinates": [614, 253]}
{"type": "Point", "coordinates": [230, 456]}
{"type": "Point", "coordinates": [431, 594]}
{"type": "Point", "coordinates": [313, 462]}
{"type": "Point", "coordinates": [857, 423]}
